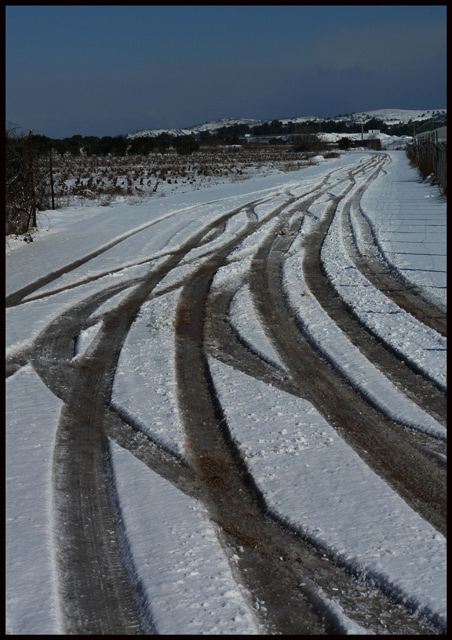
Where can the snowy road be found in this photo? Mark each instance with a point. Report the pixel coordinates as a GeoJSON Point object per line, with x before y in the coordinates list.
{"type": "Point", "coordinates": [226, 410]}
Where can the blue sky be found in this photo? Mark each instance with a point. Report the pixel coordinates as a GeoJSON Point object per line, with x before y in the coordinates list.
{"type": "Point", "coordinates": [95, 70]}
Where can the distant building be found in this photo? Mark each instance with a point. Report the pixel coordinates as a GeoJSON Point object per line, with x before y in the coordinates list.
{"type": "Point", "coordinates": [374, 132]}
{"type": "Point", "coordinates": [435, 135]}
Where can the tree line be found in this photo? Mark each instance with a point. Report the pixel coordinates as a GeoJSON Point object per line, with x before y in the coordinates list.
{"type": "Point", "coordinates": [112, 145]}
{"type": "Point", "coordinates": [227, 135]}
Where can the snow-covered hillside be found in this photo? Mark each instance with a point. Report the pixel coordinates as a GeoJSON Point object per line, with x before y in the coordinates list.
{"type": "Point", "coordinates": [392, 116]}
{"type": "Point", "coordinates": [389, 116]}
{"type": "Point", "coordinates": [212, 126]}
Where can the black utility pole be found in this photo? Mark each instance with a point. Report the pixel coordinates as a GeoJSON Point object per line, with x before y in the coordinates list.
{"type": "Point", "coordinates": [51, 175]}
{"type": "Point", "coordinates": [33, 193]}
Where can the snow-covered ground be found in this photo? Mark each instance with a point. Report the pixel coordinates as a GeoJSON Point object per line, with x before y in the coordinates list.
{"type": "Point", "coordinates": [308, 475]}
{"type": "Point", "coordinates": [387, 141]}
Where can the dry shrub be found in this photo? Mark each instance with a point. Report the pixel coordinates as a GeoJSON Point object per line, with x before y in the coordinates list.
{"type": "Point", "coordinates": [103, 178]}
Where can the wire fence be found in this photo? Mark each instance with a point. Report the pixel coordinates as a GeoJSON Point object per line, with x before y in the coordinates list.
{"type": "Point", "coordinates": [430, 158]}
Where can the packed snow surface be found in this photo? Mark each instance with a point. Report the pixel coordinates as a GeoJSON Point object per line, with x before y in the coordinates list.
{"type": "Point", "coordinates": [306, 472]}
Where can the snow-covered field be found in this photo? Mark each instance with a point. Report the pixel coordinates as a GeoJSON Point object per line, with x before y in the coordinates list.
{"type": "Point", "coordinates": [308, 475]}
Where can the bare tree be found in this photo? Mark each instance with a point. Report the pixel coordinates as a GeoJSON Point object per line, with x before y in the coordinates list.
{"type": "Point", "coordinates": [17, 181]}
{"type": "Point", "coordinates": [26, 182]}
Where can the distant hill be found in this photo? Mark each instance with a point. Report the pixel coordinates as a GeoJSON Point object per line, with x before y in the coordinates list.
{"type": "Point", "coordinates": [392, 116]}
{"type": "Point", "coordinates": [389, 116]}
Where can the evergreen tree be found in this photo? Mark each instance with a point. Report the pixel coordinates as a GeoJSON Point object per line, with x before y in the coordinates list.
{"type": "Point", "coordinates": [119, 146]}
{"type": "Point", "coordinates": [344, 143]}
{"type": "Point", "coordinates": [142, 146]}
{"type": "Point", "coordinates": [91, 145]}
{"type": "Point", "coordinates": [185, 145]}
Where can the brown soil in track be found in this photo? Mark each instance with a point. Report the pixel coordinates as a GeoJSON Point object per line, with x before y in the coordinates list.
{"type": "Point", "coordinates": [386, 447]}
{"type": "Point", "coordinates": [374, 267]}
{"type": "Point", "coordinates": [273, 560]}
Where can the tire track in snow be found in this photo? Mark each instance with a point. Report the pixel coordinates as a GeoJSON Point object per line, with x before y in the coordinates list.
{"type": "Point", "coordinates": [374, 266]}
{"type": "Point", "coordinates": [419, 383]}
{"type": "Point", "coordinates": [419, 388]}
{"type": "Point", "coordinates": [388, 449]}
{"type": "Point", "coordinates": [97, 588]}
{"type": "Point", "coordinates": [18, 296]}
{"type": "Point", "coordinates": [279, 571]}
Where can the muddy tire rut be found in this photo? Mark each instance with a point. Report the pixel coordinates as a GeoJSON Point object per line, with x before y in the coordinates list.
{"type": "Point", "coordinates": [388, 448]}
{"type": "Point", "coordinates": [276, 565]}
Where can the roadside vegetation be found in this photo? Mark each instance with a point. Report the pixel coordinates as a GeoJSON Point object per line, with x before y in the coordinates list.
{"type": "Point", "coordinates": [44, 173]}
{"type": "Point", "coordinates": [104, 179]}
{"type": "Point", "coordinates": [40, 177]}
